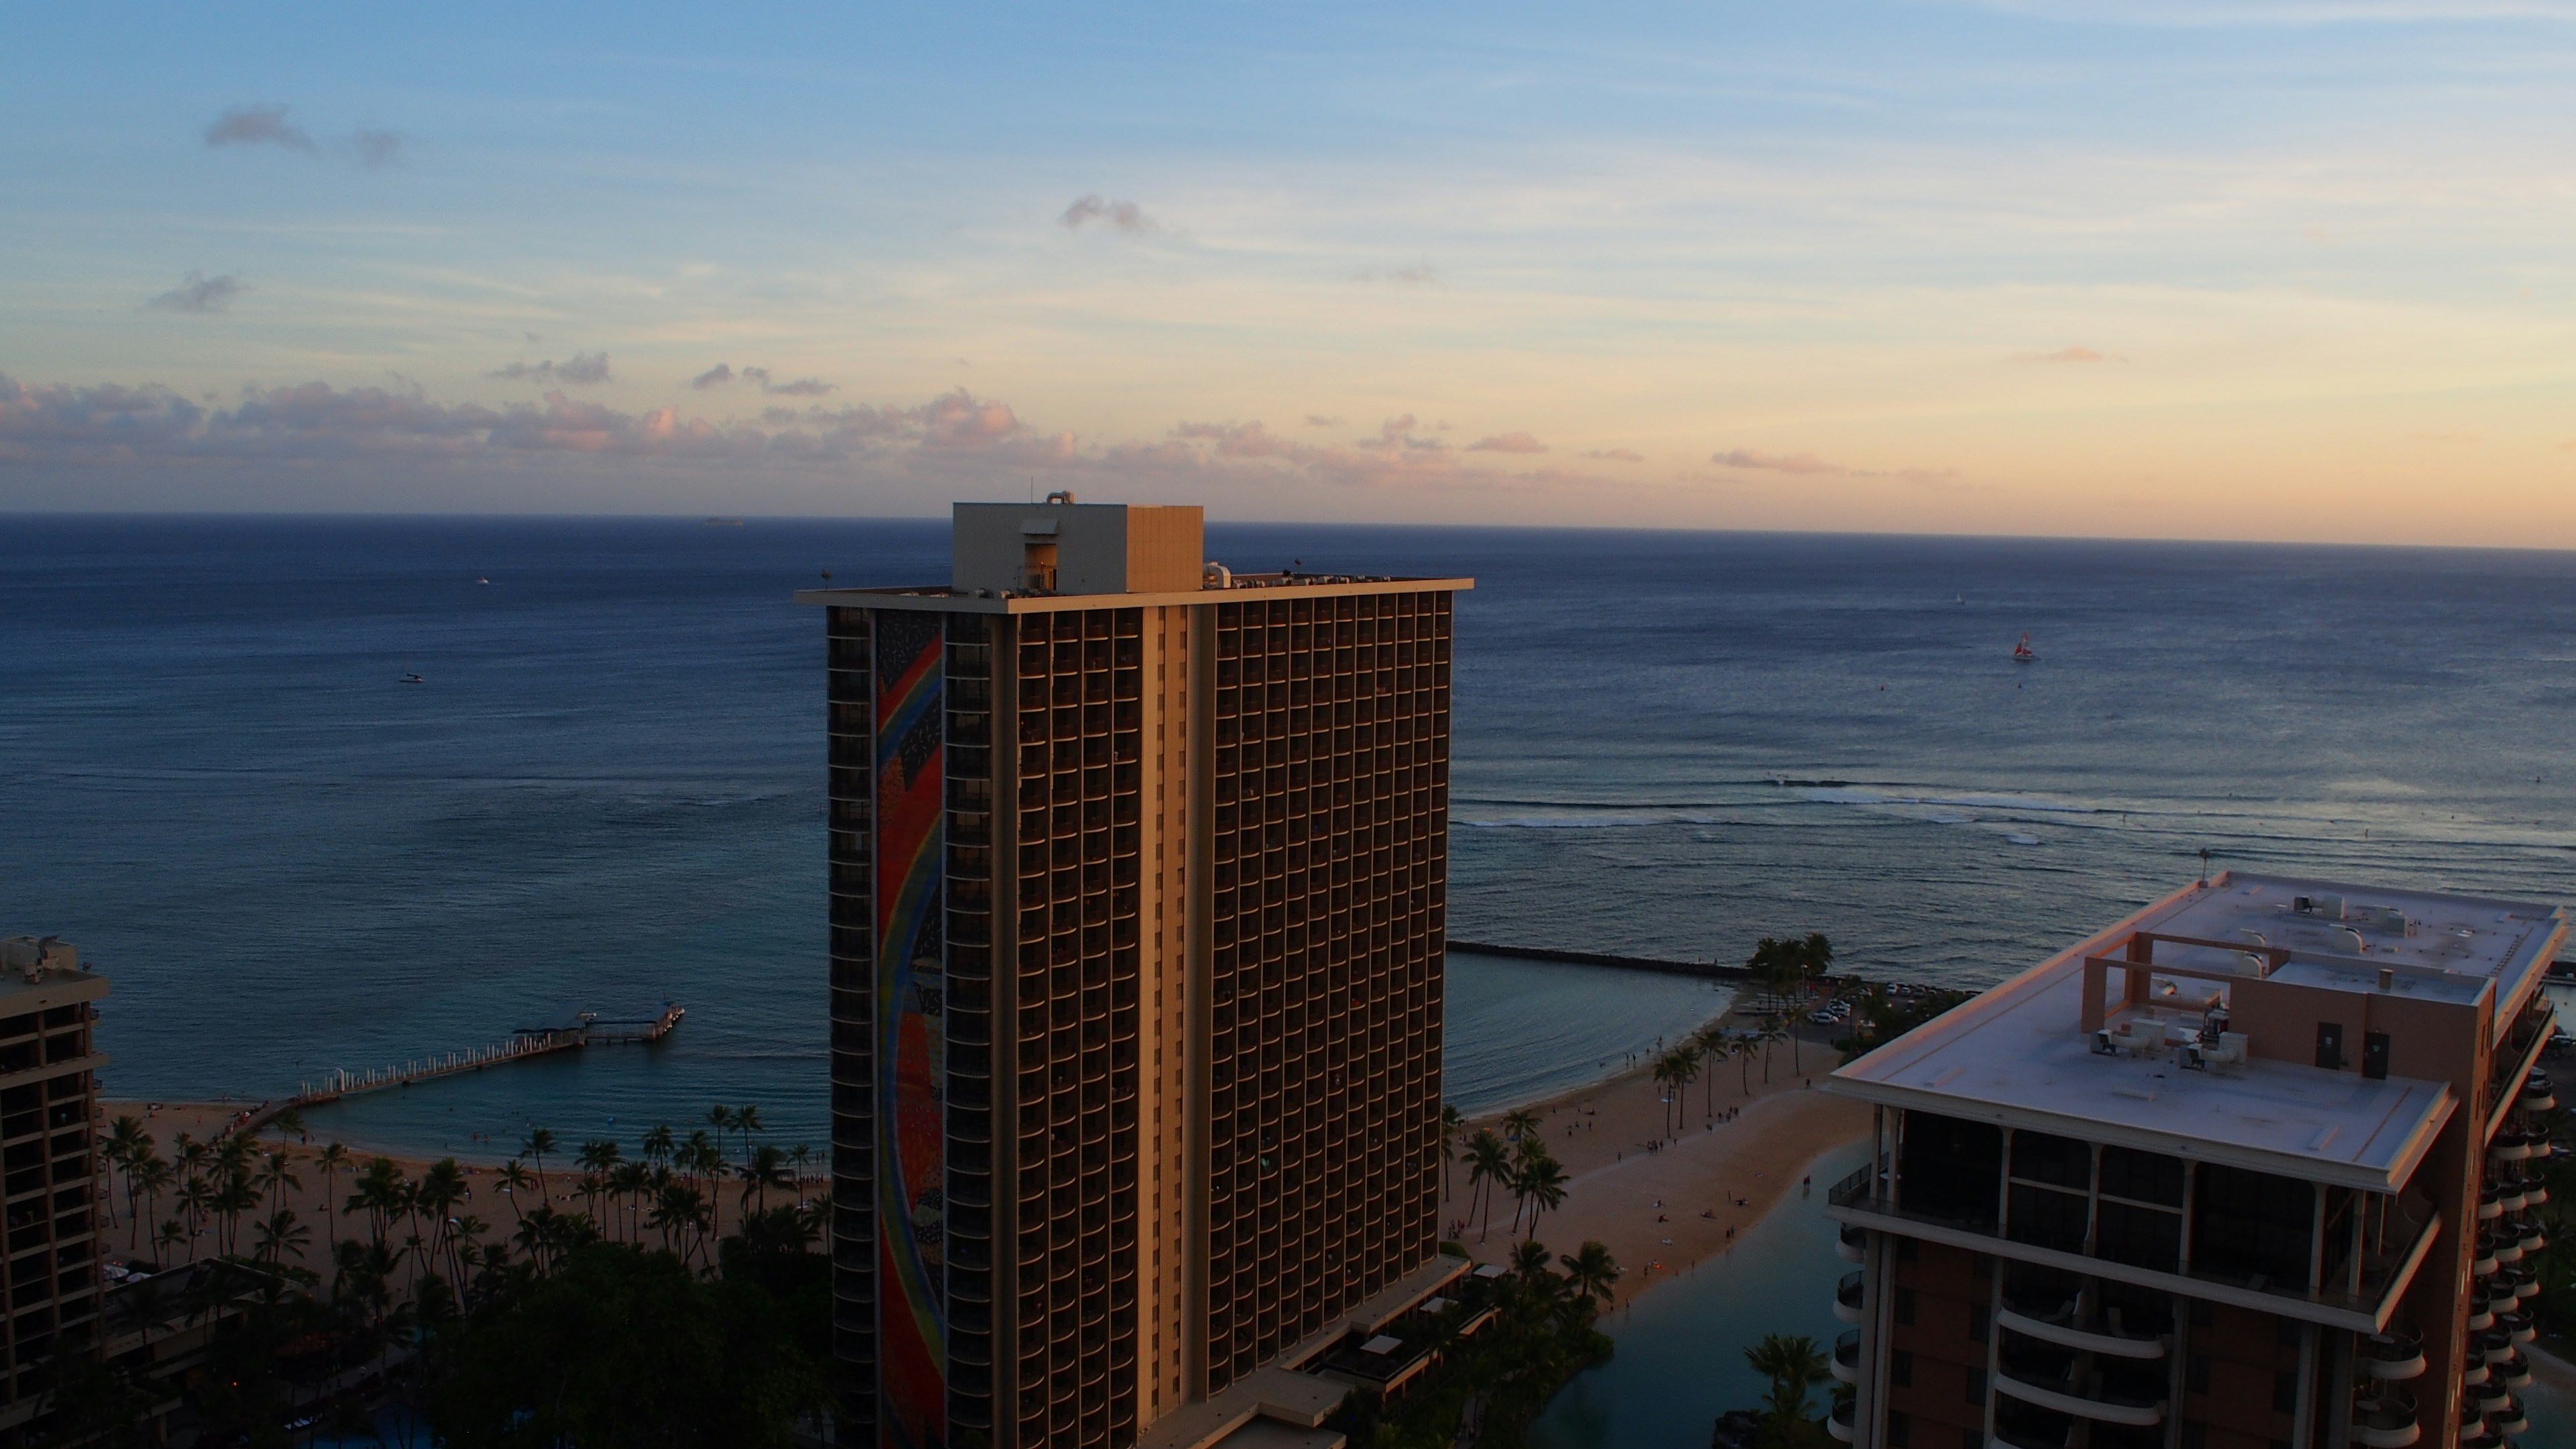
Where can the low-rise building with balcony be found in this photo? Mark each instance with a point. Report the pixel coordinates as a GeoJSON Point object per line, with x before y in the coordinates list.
{"type": "Point", "coordinates": [2251, 1169]}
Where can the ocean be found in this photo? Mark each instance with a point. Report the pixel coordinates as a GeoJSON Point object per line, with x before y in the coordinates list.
{"type": "Point", "coordinates": [606, 791]}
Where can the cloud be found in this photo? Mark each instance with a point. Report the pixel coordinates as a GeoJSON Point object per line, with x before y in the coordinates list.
{"type": "Point", "coordinates": [582, 369]}
{"type": "Point", "coordinates": [1507, 443]}
{"type": "Point", "coordinates": [258, 126]}
{"type": "Point", "coordinates": [1420, 275]}
{"type": "Point", "coordinates": [113, 423]}
{"type": "Point", "coordinates": [198, 292]}
{"type": "Point", "coordinates": [1809, 465]}
{"type": "Point", "coordinates": [1126, 216]}
{"type": "Point", "coordinates": [1775, 462]}
{"type": "Point", "coordinates": [376, 150]}
{"type": "Point", "coordinates": [1615, 455]}
{"type": "Point", "coordinates": [721, 374]}
{"type": "Point", "coordinates": [1319, 420]}
{"type": "Point", "coordinates": [2068, 354]}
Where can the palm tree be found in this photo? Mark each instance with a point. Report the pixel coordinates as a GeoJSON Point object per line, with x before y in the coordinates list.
{"type": "Point", "coordinates": [1541, 1183]}
{"type": "Point", "coordinates": [628, 1182]}
{"type": "Point", "coordinates": [1790, 1020]}
{"type": "Point", "coordinates": [152, 1177]}
{"type": "Point", "coordinates": [540, 1142]}
{"type": "Point", "coordinates": [596, 1157]}
{"type": "Point", "coordinates": [1793, 1365]}
{"type": "Point", "coordinates": [1710, 1043]}
{"type": "Point", "coordinates": [1590, 1270]}
{"type": "Point", "coordinates": [1452, 1122]}
{"type": "Point", "coordinates": [747, 1118]}
{"type": "Point", "coordinates": [235, 1197]}
{"type": "Point", "coordinates": [515, 1179]}
{"type": "Point", "coordinates": [276, 1175]}
{"type": "Point", "coordinates": [1520, 1122]}
{"type": "Point", "coordinates": [332, 1158]}
{"type": "Point", "coordinates": [279, 1233]}
{"type": "Point", "coordinates": [658, 1143]}
{"type": "Point", "coordinates": [767, 1169]}
{"type": "Point", "coordinates": [126, 1144]}
{"type": "Point", "coordinates": [720, 1117]}
{"type": "Point", "coordinates": [802, 1156]}
{"type": "Point", "coordinates": [289, 1123]}
{"type": "Point", "coordinates": [1529, 1260]}
{"type": "Point", "coordinates": [171, 1234]}
{"type": "Point", "coordinates": [1740, 1046]}
{"type": "Point", "coordinates": [1488, 1162]}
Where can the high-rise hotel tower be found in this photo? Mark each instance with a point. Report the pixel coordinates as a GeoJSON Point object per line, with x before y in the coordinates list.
{"type": "Point", "coordinates": [2251, 1169]}
{"type": "Point", "coordinates": [1138, 871]}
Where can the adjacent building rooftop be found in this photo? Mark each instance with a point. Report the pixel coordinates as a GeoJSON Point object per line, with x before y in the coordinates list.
{"type": "Point", "coordinates": [2040, 1050]}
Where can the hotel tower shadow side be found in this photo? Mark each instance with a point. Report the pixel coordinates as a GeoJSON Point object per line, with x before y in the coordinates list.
{"type": "Point", "coordinates": [1138, 873]}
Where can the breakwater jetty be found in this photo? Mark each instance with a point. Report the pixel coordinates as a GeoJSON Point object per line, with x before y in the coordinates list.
{"type": "Point", "coordinates": [1717, 971]}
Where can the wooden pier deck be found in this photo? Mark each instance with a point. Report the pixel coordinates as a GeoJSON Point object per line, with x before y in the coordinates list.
{"type": "Point", "coordinates": [587, 1030]}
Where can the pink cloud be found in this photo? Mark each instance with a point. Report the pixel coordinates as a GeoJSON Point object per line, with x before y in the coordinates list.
{"type": "Point", "coordinates": [1615, 455]}
{"type": "Point", "coordinates": [1775, 462]}
{"type": "Point", "coordinates": [1507, 443]}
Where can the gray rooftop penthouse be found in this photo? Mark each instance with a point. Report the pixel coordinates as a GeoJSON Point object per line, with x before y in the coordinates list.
{"type": "Point", "coordinates": [2248, 1169]}
{"type": "Point", "coordinates": [1020, 558]}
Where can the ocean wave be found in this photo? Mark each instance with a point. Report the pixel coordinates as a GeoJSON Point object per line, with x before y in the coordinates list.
{"type": "Point", "coordinates": [1625, 821]}
{"type": "Point", "coordinates": [1855, 796]}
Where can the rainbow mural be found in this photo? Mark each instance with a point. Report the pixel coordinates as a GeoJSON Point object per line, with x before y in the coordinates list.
{"type": "Point", "coordinates": [912, 1305]}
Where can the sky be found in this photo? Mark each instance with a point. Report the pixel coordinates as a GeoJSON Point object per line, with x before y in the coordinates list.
{"type": "Point", "coordinates": [2268, 269]}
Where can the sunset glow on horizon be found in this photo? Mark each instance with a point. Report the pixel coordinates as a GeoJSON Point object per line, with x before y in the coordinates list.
{"type": "Point", "coordinates": [2284, 269]}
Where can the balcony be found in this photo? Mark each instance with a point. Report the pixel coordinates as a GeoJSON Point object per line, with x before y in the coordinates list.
{"type": "Point", "coordinates": [1846, 1364]}
{"type": "Point", "coordinates": [2539, 1094]}
{"type": "Point", "coordinates": [2068, 1396]}
{"type": "Point", "coordinates": [2385, 1419]}
{"type": "Point", "coordinates": [2516, 1326]}
{"type": "Point", "coordinates": [1851, 1244]}
{"type": "Point", "coordinates": [1839, 1422]}
{"type": "Point", "coordinates": [1863, 1200]}
{"type": "Point", "coordinates": [2510, 1419]}
{"type": "Point", "coordinates": [2395, 1354]}
{"type": "Point", "coordinates": [2515, 1371]}
{"type": "Point", "coordinates": [2062, 1327]}
{"type": "Point", "coordinates": [1847, 1298]}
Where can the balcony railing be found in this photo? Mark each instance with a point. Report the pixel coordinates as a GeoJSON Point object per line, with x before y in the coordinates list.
{"type": "Point", "coordinates": [2395, 1354]}
{"type": "Point", "coordinates": [2384, 1275]}
{"type": "Point", "coordinates": [2385, 1419]}
{"type": "Point", "coordinates": [1847, 1298]}
{"type": "Point", "coordinates": [1846, 1364]}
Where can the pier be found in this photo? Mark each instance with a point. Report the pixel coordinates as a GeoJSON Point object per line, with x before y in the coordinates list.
{"type": "Point", "coordinates": [587, 1030]}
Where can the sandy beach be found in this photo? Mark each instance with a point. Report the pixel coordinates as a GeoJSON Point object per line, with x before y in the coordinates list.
{"type": "Point", "coordinates": [1659, 1209]}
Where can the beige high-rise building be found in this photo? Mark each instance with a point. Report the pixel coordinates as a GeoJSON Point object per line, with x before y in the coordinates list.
{"type": "Point", "coordinates": [1138, 871]}
{"type": "Point", "coordinates": [49, 1168]}
{"type": "Point", "coordinates": [2250, 1169]}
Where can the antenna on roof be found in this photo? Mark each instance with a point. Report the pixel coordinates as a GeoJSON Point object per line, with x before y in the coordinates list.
{"type": "Point", "coordinates": [2204, 865]}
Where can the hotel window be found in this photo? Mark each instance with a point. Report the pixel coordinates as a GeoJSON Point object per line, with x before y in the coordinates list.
{"type": "Point", "coordinates": [1977, 1387]}
{"type": "Point", "coordinates": [2195, 1435]}
{"type": "Point", "coordinates": [2285, 1392]}
{"type": "Point", "coordinates": [1900, 1369]}
{"type": "Point", "coordinates": [1905, 1305]}
{"type": "Point", "coordinates": [1980, 1322]}
{"type": "Point", "coordinates": [2195, 1373]}
{"type": "Point", "coordinates": [1948, 1169]}
{"type": "Point", "coordinates": [1900, 1431]}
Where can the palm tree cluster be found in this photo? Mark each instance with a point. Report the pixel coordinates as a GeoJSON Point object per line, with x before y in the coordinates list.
{"type": "Point", "coordinates": [1540, 1333]}
{"type": "Point", "coordinates": [1794, 1365]}
{"type": "Point", "coordinates": [407, 1257]}
{"type": "Point", "coordinates": [1521, 1166]}
{"type": "Point", "coordinates": [1787, 968]}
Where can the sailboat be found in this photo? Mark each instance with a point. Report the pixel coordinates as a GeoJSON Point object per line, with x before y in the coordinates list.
{"type": "Point", "coordinates": [2021, 651]}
